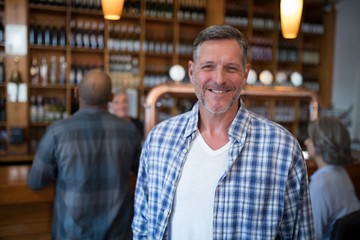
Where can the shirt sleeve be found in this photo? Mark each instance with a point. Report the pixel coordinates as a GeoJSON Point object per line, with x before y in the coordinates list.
{"type": "Point", "coordinates": [43, 170]}
{"type": "Point", "coordinates": [297, 219]}
{"type": "Point", "coordinates": [141, 209]}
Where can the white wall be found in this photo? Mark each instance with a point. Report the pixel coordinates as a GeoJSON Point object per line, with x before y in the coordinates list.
{"type": "Point", "coordinates": [346, 71]}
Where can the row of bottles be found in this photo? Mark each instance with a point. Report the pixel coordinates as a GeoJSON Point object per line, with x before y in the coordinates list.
{"type": "Point", "coordinates": [124, 70]}
{"type": "Point", "coordinates": [86, 34]}
{"type": "Point", "coordinates": [261, 49]}
{"type": "Point", "coordinates": [47, 35]}
{"type": "Point", "coordinates": [159, 43]}
{"type": "Point", "coordinates": [287, 52]}
{"type": "Point", "coordinates": [46, 109]}
{"type": "Point", "coordinates": [48, 71]}
{"type": "Point", "coordinates": [124, 38]}
{"type": "Point", "coordinates": [86, 4]}
{"type": "Point", "coordinates": [124, 63]}
{"type": "Point", "coordinates": [192, 10]}
{"type": "Point", "coordinates": [159, 8]}
{"type": "Point", "coordinates": [49, 2]}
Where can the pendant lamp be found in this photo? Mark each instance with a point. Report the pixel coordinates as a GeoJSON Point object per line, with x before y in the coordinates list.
{"type": "Point", "coordinates": [290, 16]}
{"type": "Point", "coordinates": [112, 9]}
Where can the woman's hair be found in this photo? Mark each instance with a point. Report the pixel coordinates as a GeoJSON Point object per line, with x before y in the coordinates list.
{"type": "Point", "coordinates": [331, 140]}
{"type": "Point", "coordinates": [219, 32]}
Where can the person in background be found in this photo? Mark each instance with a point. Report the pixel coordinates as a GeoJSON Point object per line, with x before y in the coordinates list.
{"type": "Point", "coordinates": [331, 189]}
{"type": "Point", "coordinates": [220, 171]}
{"type": "Point", "coordinates": [89, 156]}
{"type": "Point", "coordinates": [120, 107]}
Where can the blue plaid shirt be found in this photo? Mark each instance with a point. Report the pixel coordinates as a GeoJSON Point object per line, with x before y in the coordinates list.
{"type": "Point", "coordinates": [262, 195]}
{"type": "Point", "coordinates": [90, 156]}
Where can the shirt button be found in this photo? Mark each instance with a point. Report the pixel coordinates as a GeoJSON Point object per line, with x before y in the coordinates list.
{"type": "Point", "coordinates": [184, 150]}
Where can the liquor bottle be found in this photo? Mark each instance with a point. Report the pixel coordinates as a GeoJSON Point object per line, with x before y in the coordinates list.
{"type": "Point", "coordinates": [32, 33]}
{"type": "Point", "coordinates": [86, 35]}
{"type": "Point", "coordinates": [33, 109]}
{"type": "Point", "coordinates": [47, 34]}
{"type": "Point", "coordinates": [100, 35]}
{"type": "Point", "coordinates": [62, 38]}
{"type": "Point", "coordinates": [34, 72]}
{"type": "Point", "coordinates": [72, 33]}
{"type": "Point", "coordinates": [39, 35]}
{"type": "Point", "coordinates": [40, 109]}
{"type": "Point", "coordinates": [54, 36]}
{"type": "Point", "coordinates": [62, 70]}
{"type": "Point", "coordinates": [43, 72]}
{"type": "Point", "coordinates": [93, 38]}
{"type": "Point", "coordinates": [78, 74]}
{"type": "Point", "coordinates": [53, 69]}
{"type": "Point", "coordinates": [78, 34]}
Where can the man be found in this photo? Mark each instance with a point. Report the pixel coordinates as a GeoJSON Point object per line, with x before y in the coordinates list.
{"type": "Point", "coordinates": [89, 156]}
{"type": "Point", "coordinates": [220, 171]}
{"type": "Point", "coordinates": [120, 107]}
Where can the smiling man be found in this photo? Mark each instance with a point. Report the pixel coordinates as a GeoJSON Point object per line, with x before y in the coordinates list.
{"type": "Point", "coordinates": [221, 171]}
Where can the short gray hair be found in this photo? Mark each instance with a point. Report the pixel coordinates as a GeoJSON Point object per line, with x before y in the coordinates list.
{"type": "Point", "coordinates": [219, 32]}
{"type": "Point", "coordinates": [331, 140]}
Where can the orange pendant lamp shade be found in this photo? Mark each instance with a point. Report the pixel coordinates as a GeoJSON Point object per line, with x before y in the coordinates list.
{"type": "Point", "coordinates": [290, 16]}
{"type": "Point", "coordinates": [112, 9]}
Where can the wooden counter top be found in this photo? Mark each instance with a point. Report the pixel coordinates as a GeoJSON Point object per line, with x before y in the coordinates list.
{"type": "Point", "coordinates": [14, 189]}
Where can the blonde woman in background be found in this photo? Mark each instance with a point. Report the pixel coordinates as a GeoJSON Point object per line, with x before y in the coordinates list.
{"type": "Point", "coordinates": [331, 189]}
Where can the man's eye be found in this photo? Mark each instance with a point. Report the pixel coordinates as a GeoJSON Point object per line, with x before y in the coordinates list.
{"type": "Point", "coordinates": [232, 69]}
{"type": "Point", "coordinates": [208, 67]}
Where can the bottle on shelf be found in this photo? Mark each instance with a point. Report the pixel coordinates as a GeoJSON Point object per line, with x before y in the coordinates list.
{"type": "Point", "coordinates": [54, 36]}
{"type": "Point", "coordinates": [33, 109]}
{"type": "Point", "coordinates": [62, 70]}
{"type": "Point", "coordinates": [34, 72]}
{"type": "Point", "coordinates": [39, 35]}
{"type": "Point", "coordinates": [62, 37]}
{"type": "Point", "coordinates": [47, 34]}
{"type": "Point", "coordinates": [93, 37]}
{"type": "Point", "coordinates": [32, 35]}
{"type": "Point", "coordinates": [44, 72]}
{"type": "Point", "coordinates": [86, 35]}
{"type": "Point", "coordinates": [100, 35]}
{"type": "Point", "coordinates": [40, 109]}
{"type": "Point", "coordinates": [53, 70]}
{"type": "Point", "coordinates": [78, 34]}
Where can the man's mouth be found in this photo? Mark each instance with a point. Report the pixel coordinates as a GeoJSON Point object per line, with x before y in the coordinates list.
{"type": "Point", "coordinates": [218, 91]}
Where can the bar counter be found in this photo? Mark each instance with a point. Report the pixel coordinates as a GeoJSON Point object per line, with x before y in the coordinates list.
{"type": "Point", "coordinates": [24, 214]}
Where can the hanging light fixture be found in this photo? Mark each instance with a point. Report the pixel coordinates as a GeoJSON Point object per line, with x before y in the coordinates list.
{"type": "Point", "coordinates": [112, 9]}
{"type": "Point", "coordinates": [290, 16]}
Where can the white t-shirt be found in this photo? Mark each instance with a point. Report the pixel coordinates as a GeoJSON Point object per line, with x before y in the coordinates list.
{"type": "Point", "coordinates": [192, 214]}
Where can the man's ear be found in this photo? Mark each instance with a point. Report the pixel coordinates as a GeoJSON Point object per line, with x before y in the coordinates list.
{"type": "Point", "coordinates": [191, 70]}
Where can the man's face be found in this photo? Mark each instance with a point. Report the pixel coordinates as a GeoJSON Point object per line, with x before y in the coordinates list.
{"type": "Point", "coordinates": [218, 74]}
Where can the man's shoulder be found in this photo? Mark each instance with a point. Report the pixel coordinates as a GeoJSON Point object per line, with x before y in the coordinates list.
{"type": "Point", "coordinates": [175, 124]}
{"type": "Point", "coordinates": [265, 125]}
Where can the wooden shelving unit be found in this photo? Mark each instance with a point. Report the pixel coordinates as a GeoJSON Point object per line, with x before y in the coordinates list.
{"type": "Point", "coordinates": [150, 37]}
